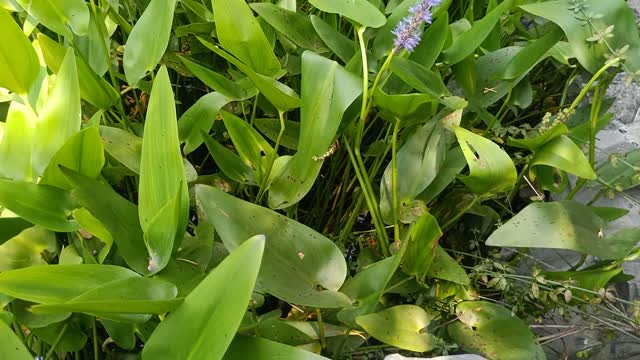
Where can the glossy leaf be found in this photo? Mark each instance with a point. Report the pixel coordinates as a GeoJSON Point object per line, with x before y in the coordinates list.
{"type": "Point", "coordinates": [229, 162]}
{"type": "Point", "coordinates": [621, 173]}
{"type": "Point", "coordinates": [12, 226]}
{"type": "Point", "coordinates": [271, 129]}
{"type": "Point", "coordinates": [421, 250]}
{"type": "Point", "coordinates": [401, 104]}
{"type": "Point", "coordinates": [300, 265]}
{"type": "Point", "coordinates": [214, 80]}
{"type": "Point", "coordinates": [341, 45]}
{"type": "Point", "coordinates": [83, 153]}
{"type": "Point", "coordinates": [591, 280]}
{"type": "Point", "coordinates": [453, 164]}
{"type": "Point", "coordinates": [361, 11]}
{"type": "Point", "coordinates": [428, 51]}
{"type": "Point", "coordinates": [11, 346]}
{"type": "Point", "coordinates": [420, 78]}
{"type": "Point", "coordinates": [327, 91]}
{"type": "Point", "coordinates": [59, 16]}
{"type": "Point", "coordinates": [563, 154]}
{"type": "Point", "coordinates": [16, 144]}
{"type": "Point", "coordinates": [563, 225]}
{"type": "Point", "coordinates": [526, 59]}
{"type": "Point", "coordinates": [60, 118]}
{"type": "Point", "coordinates": [466, 44]}
{"type": "Point", "coordinates": [162, 175]}
{"type": "Point", "coordinates": [93, 88]}
{"type": "Point", "coordinates": [214, 309]}
{"type": "Point", "coordinates": [118, 215]}
{"type": "Point", "coordinates": [493, 331]}
{"type": "Point", "coordinates": [148, 40]}
{"type": "Point", "coordinates": [536, 140]}
{"type": "Point", "coordinates": [42, 205]}
{"type": "Point", "coordinates": [26, 249]}
{"type": "Point", "coordinates": [444, 267]}
{"type": "Point", "coordinates": [294, 26]}
{"type": "Point", "coordinates": [257, 348]}
{"type": "Point", "coordinates": [16, 54]}
{"type": "Point", "coordinates": [122, 146]}
{"type": "Point", "coordinates": [491, 169]}
{"type": "Point", "coordinates": [400, 326]}
{"type": "Point", "coordinates": [240, 34]}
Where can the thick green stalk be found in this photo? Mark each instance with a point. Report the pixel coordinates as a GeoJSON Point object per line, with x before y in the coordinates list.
{"type": "Point", "coordinates": [265, 180]}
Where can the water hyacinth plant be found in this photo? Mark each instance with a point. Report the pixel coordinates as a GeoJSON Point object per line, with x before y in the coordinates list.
{"type": "Point", "coordinates": [311, 179]}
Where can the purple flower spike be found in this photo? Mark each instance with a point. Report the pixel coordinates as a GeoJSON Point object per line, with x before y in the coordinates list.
{"type": "Point", "coordinates": [407, 32]}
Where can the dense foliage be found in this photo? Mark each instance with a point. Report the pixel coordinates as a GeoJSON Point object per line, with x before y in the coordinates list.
{"type": "Point", "coordinates": [195, 179]}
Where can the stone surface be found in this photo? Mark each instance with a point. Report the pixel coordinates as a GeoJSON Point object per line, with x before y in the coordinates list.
{"type": "Point", "coordinates": [450, 357]}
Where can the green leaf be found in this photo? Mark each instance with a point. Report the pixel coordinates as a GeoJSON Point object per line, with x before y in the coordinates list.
{"type": "Point", "coordinates": [622, 172]}
{"type": "Point", "coordinates": [12, 226]}
{"type": "Point", "coordinates": [16, 143]}
{"type": "Point", "coordinates": [361, 11]}
{"type": "Point", "coordinates": [121, 333]}
{"type": "Point", "coordinates": [93, 88]}
{"type": "Point", "coordinates": [420, 78]}
{"type": "Point", "coordinates": [93, 45]}
{"type": "Point", "coordinates": [278, 94]}
{"type": "Point", "coordinates": [240, 34]}
{"type": "Point", "coordinates": [421, 250]}
{"type": "Point", "coordinates": [341, 45]}
{"type": "Point", "coordinates": [25, 249]}
{"type": "Point", "coordinates": [428, 51]}
{"type": "Point", "coordinates": [535, 140]}
{"type": "Point", "coordinates": [453, 164]}
{"type": "Point", "coordinates": [401, 105]}
{"type": "Point", "coordinates": [467, 43]}
{"type": "Point", "coordinates": [271, 129]}
{"type": "Point", "coordinates": [122, 146]}
{"type": "Point", "coordinates": [162, 176]}
{"type": "Point", "coordinates": [73, 339]}
{"type": "Point", "coordinates": [148, 40]}
{"type": "Point", "coordinates": [214, 80]}
{"type": "Point", "coordinates": [563, 225]}
{"type": "Point", "coordinates": [83, 153]}
{"type": "Point", "coordinates": [42, 205]}
{"type": "Point", "coordinates": [17, 54]}
{"type": "Point", "coordinates": [400, 326]}
{"type": "Point", "coordinates": [493, 331]}
{"type": "Point", "coordinates": [117, 214]}
{"type": "Point", "coordinates": [213, 310]}
{"type": "Point", "coordinates": [59, 283]}
{"type": "Point", "coordinates": [327, 91]}
{"type": "Point", "coordinates": [257, 348]}
{"type": "Point", "coordinates": [61, 116]}
{"type": "Point", "coordinates": [229, 162]}
{"type": "Point", "coordinates": [531, 54]}
{"type": "Point", "coordinates": [445, 267]}
{"type": "Point", "coordinates": [491, 169]}
{"type": "Point", "coordinates": [300, 265]}
{"type": "Point", "coordinates": [294, 26]}
{"type": "Point", "coordinates": [59, 16]}
{"type": "Point", "coordinates": [593, 55]}
{"type": "Point", "coordinates": [592, 280]}
{"type": "Point", "coordinates": [134, 295]}
{"type": "Point", "coordinates": [11, 346]}
{"type": "Point", "coordinates": [563, 154]}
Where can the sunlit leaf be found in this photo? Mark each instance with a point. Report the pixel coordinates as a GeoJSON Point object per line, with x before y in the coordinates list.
{"type": "Point", "coordinates": [59, 16]}
{"type": "Point", "coordinates": [17, 57]}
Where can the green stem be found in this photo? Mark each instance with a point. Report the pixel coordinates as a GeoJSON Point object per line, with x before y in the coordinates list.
{"type": "Point", "coordinates": [56, 342]}
{"type": "Point", "coordinates": [96, 354]}
{"type": "Point", "coordinates": [394, 180]}
{"type": "Point", "coordinates": [274, 155]}
{"type": "Point", "coordinates": [323, 340]}
{"type": "Point", "coordinates": [449, 223]}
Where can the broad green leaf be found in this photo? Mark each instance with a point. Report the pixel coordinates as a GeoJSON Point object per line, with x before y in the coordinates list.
{"type": "Point", "coordinates": [278, 94]}
{"type": "Point", "coordinates": [453, 164]}
{"type": "Point", "coordinates": [60, 118]}
{"type": "Point", "coordinates": [133, 295]}
{"type": "Point", "coordinates": [198, 9]}
{"type": "Point", "coordinates": [445, 267]}
{"type": "Point", "coordinates": [214, 80]}
{"type": "Point", "coordinates": [240, 34]}
{"type": "Point", "coordinates": [401, 104]}
{"type": "Point", "coordinates": [122, 146]}
{"type": "Point", "coordinates": [327, 91]}
{"type": "Point", "coordinates": [421, 250]}
{"type": "Point", "coordinates": [69, 256]}
{"type": "Point", "coordinates": [73, 339]}
{"type": "Point", "coordinates": [42, 205]}
{"type": "Point", "coordinates": [621, 172]}
{"type": "Point", "coordinates": [17, 57]}
{"type": "Point", "coordinates": [11, 346]}
{"type": "Point", "coordinates": [15, 145]}
{"type": "Point", "coordinates": [418, 162]}
{"type": "Point", "coordinates": [229, 162]}
{"type": "Point", "coordinates": [256, 348]}
{"type": "Point", "coordinates": [563, 154]}
{"type": "Point", "coordinates": [60, 15]}
{"type": "Point", "coordinates": [592, 55]}
{"type": "Point", "coordinates": [93, 45]}
{"type": "Point", "coordinates": [148, 40]}
{"type": "Point", "coordinates": [466, 74]}
{"type": "Point", "coordinates": [117, 214]}
{"type": "Point", "coordinates": [93, 88]}
{"type": "Point", "coordinates": [491, 169]}
{"type": "Point", "coordinates": [400, 326]}
{"type": "Point", "coordinates": [294, 26]}
{"type": "Point", "coordinates": [300, 265]}
{"type": "Point", "coordinates": [564, 225]}
{"type": "Point", "coordinates": [253, 149]}
{"type": "Point", "coordinates": [83, 153]}
{"type": "Point", "coordinates": [420, 78]}
{"type": "Point", "coordinates": [59, 283]}
{"type": "Point", "coordinates": [361, 11]}
{"type": "Point", "coordinates": [493, 331]}
{"type": "Point", "coordinates": [213, 310]}
{"type": "Point", "coordinates": [162, 175]}
{"type": "Point", "coordinates": [12, 226]}
{"type": "Point", "coordinates": [491, 87]}
{"type": "Point", "coordinates": [271, 129]}
{"type": "Point", "coordinates": [592, 280]}
{"type": "Point", "coordinates": [435, 37]}
{"type": "Point", "coordinates": [341, 45]}
{"type": "Point", "coordinates": [26, 248]}
{"type": "Point", "coordinates": [201, 115]}
{"type": "Point", "coordinates": [22, 311]}
{"type": "Point", "coordinates": [467, 43]}
{"type": "Point", "coordinates": [531, 54]}
{"type": "Point", "coordinates": [121, 333]}
{"type": "Point", "coordinates": [535, 140]}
